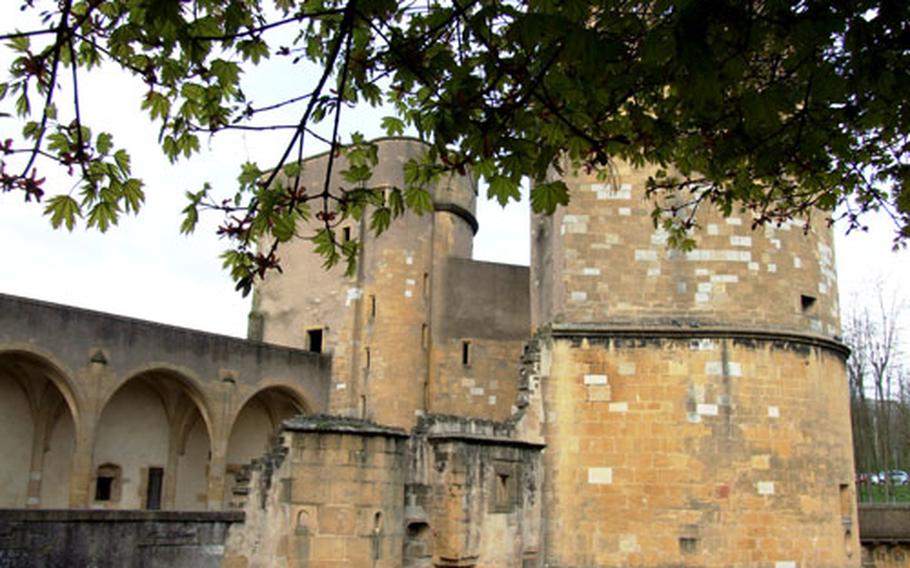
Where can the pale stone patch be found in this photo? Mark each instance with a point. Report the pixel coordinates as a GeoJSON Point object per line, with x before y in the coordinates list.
{"type": "Point", "coordinates": [35, 475]}
{"type": "Point", "coordinates": [702, 345]}
{"type": "Point", "coordinates": [579, 296]}
{"type": "Point", "coordinates": [765, 487]}
{"type": "Point", "coordinates": [618, 407]}
{"type": "Point", "coordinates": [724, 278]}
{"type": "Point", "coordinates": [647, 255]}
{"type": "Point", "coordinates": [409, 259]}
{"type": "Point", "coordinates": [785, 564]}
{"type": "Point", "coordinates": [772, 267]}
{"type": "Point", "coordinates": [596, 379]}
{"type": "Point", "coordinates": [466, 382]}
{"type": "Point", "coordinates": [713, 229]}
{"type": "Point", "coordinates": [410, 282]}
{"type": "Point", "coordinates": [705, 287]}
{"type": "Point", "coordinates": [702, 272]}
{"type": "Point", "coordinates": [587, 271]}
{"type": "Point", "coordinates": [408, 293]}
{"type": "Point", "coordinates": [775, 243]}
{"type": "Point", "coordinates": [477, 391]}
{"type": "Point", "coordinates": [702, 298]}
{"type": "Point", "coordinates": [491, 400]}
{"type": "Point", "coordinates": [739, 241]}
{"type": "Point", "coordinates": [341, 386]}
{"type": "Point", "coordinates": [693, 417]}
{"type": "Point", "coordinates": [600, 475]}
{"type": "Point", "coordinates": [762, 461]}
{"type": "Point", "coordinates": [629, 543]}
{"type": "Point", "coordinates": [753, 266]}
{"type": "Point", "coordinates": [32, 501]}
{"type": "Point", "coordinates": [352, 295]}
{"type": "Point", "coordinates": [654, 272]}
{"type": "Point", "coordinates": [706, 409]}
{"type": "Point", "coordinates": [624, 211]}
{"type": "Point", "coordinates": [797, 262]}
{"type": "Point", "coordinates": [822, 288]}
{"type": "Point", "coordinates": [659, 237]}
{"type": "Point", "coordinates": [734, 221]}
{"type": "Point", "coordinates": [627, 369]}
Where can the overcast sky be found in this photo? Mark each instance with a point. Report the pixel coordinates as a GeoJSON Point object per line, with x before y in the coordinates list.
{"type": "Point", "coordinates": [143, 268]}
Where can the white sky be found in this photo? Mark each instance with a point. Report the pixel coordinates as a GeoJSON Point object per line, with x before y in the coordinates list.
{"type": "Point", "coordinates": [144, 268]}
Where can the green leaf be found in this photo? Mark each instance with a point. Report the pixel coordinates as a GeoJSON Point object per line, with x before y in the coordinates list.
{"type": "Point", "coordinates": [103, 143]}
{"type": "Point", "coordinates": [393, 126]}
{"type": "Point", "coordinates": [546, 197]}
{"type": "Point", "coordinates": [63, 210]}
{"type": "Point", "coordinates": [102, 215]}
{"type": "Point", "coordinates": [285, 228]}
{"type": "Point", "coordinates": [504, 190]}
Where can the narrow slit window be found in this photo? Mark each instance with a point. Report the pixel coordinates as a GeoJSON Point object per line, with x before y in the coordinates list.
{"type": "Point", "coordinates": [426, 285]}
{"type": "Point", "coordinates": [807, 302]}
{"type": "Point", "coordinates": [424, 336]}
{"type": "Point", "coordinates": [314, 340]}
{"type": "Point", "coordinates": [367, 358]}
{"type": "Point", "coordinates": [372, 306]}
{"type": "Point", "coordinates": [346, 234]}
{"type": "Point", "coordinates": [466, 353]}
{"type": "Point", "coordinates": [153, 491]}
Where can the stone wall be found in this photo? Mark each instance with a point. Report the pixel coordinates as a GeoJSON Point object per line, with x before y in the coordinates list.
{"type": "Point", "coordinates": [331, 494]}
{"type": "Point", "coordinates": [483, 326]}
{"type": "Point", "coordinates": [114, 539]}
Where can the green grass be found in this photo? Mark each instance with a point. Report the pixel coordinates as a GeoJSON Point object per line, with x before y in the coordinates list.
{"type": "Point", "coordinates": [867, 493]}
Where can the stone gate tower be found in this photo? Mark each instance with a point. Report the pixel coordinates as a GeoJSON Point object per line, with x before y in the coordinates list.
{"type": "Point", "coordinates": [696, 404]}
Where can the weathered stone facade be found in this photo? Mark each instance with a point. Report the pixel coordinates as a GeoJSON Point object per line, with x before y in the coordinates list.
{"type": "Point", "coordinates": [618, 404]}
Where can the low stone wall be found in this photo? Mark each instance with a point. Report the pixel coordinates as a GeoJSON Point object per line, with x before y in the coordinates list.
{"type": "Point", "coordinates": [884, 531]}
{"type": "Point", "coordinates": [46, 539]}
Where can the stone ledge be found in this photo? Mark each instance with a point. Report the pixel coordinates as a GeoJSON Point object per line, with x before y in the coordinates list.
{"type": "Point", "coordinates": [693, 330]}
{"type": "Point", "coordinates": [340, 425]}
{"type": "Point", "coordinates": [117, 516]}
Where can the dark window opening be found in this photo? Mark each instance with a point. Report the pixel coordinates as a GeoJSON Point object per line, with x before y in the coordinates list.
{"type": "Point", "coordinates": [426, 285]}
{"type": "Point", "coordinates": [465, 353]}
{"type": "Point", "coordinates": [424, 336]}
{"type": "Point", "coordinates": [104, 486]}
{"type": "Point", "coordinates": [372, 306]}
{"type": "Point", "coordinates": [368, 357]}
{"type": "Point", "coordinates": [688, 545]}
{"type": "Point", "coordinates": [806, 302]}
{"type": "Point", "coordinates": [153, 492]}
{"type": "Point", "coordinates": [346, 234]}
{"type": "Point", "coordinates": [314, 340]}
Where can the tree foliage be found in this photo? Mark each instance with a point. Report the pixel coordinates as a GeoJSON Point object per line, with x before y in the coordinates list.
{"type": "Point", "coordinates": [777, 107]}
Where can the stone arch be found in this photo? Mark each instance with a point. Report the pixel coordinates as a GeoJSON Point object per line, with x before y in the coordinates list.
{"type": "Point", "coordinates": [253, 427]}
{"type": "Point", "coordinates": [190, 382]}
{"type": "Point", "coordinates": [39, 414]}
{"type": "Point", "coordinates": [155, 425]}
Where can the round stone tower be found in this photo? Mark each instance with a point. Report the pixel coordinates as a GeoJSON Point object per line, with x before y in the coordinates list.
{"type": "Point", "coordinates": [376, 324]}
{"type": "Point", "coordinates": [696, 403]}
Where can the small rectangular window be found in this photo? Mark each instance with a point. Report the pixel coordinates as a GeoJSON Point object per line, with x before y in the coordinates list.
{"type": "Point", "coordinates": [346, 234]}
{"type": "Point", "coordinates": [103, 488]}
{"type": "Point", "coordinates": [314, 340]}
{"type": "Point", "coordinates": [806, 302]}
{"type": "Point", "coordinates": [466, 353]}
{"type": "Point", "coordinates": [153, 491]}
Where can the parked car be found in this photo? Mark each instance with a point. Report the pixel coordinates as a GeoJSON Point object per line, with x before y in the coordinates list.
{"type": "Point", "coordinates": [894, 477]}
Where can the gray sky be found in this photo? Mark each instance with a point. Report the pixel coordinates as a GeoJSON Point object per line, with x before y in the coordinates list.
{"type": "Point", "coordinates": [143, 268]}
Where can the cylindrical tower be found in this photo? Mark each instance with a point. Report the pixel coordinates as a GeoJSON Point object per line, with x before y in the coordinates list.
{"type": "Point", "coordinates": [375, 324]}
{"type": "Point", "coordinates": [697, 408]}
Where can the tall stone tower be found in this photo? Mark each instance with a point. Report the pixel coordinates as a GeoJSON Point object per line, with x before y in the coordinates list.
{"type": "Point", "coordinates": [696, 404]}
{"type": "Point", "coordinates": [378, 323]}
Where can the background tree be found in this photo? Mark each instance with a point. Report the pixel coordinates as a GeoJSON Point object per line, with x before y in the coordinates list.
{"type": "Point", "coordinates": [879, 387]}
{"type": "Point", "coordinates": [779, 108]}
